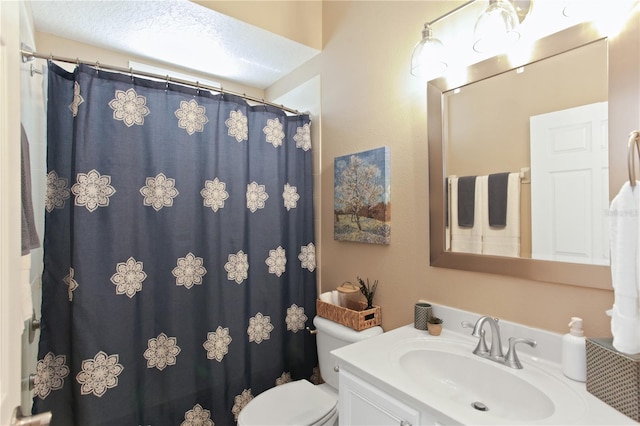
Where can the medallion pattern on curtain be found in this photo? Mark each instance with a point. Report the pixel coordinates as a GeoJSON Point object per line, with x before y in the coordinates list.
{"type": "Point", "coordinates": [179, 253]}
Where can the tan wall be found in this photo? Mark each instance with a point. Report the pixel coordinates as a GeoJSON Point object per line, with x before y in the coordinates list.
{"type": "Point", "coordinates": [299, 21]}
{"type": "Point", "coordinates": [369, 99]}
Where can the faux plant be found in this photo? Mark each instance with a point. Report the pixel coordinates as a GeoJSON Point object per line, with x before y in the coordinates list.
{"type": "Point", "coordinates": [434, 320]}
{"type": "Point", "coordinates": [368, 291]}
{"type": "Point", "coordinates": [434, 325]}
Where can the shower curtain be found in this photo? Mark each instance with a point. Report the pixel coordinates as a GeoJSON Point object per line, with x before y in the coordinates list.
{"type": "Point", "coordinates": [179, 252]}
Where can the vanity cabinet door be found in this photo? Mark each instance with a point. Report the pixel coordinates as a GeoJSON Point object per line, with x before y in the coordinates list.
{"type": "Point", "coordinates": [362, 404]}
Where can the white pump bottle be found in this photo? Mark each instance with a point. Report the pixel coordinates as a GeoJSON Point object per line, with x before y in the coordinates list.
{"type": "Point", "coordinates": [574, 352]}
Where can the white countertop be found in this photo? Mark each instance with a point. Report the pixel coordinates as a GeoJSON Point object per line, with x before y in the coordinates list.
{"type": "Point", "coordinates": [373, 360]}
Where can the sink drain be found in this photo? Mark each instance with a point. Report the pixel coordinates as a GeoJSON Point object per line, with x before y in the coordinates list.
{"type": "Point", "coordinates": [479, 406]}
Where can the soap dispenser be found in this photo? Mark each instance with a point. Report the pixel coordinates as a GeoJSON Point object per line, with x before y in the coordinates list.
{"type": "Point", "coordinates": [574, 352]}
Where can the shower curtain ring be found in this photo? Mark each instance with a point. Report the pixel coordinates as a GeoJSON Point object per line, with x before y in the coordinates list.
{"type": "Point", "coordinates": [166, 86]}
{"type": "Point", "coordinates": [131, 73]}
{"type": "Point", "coordinates": [97, 66]}
{"type": "Point", "coordinates": [197, 87]}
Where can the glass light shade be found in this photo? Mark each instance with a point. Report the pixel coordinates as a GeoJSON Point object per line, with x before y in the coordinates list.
{"type": "Point", "coordinates": [496, 28]}
{"type": "Point", "coordinates": [427, 60]}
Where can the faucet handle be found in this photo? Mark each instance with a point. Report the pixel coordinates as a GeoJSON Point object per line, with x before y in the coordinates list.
{"type": "Point", "coordinates": [511, 359]}
{"type": "Point", "coordinates": [481, 349]}
{"type": "Point", "coordinates": [466, 324]}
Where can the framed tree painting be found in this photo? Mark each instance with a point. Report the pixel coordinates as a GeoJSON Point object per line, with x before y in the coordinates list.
{"type": "Point", "coordinates": [362, 197]}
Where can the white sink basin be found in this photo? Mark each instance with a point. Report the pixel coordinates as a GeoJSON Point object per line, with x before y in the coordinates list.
{"type": "Point", "coordinates": [482, 390]}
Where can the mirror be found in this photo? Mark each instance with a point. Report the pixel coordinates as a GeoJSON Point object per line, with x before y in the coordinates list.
{"type": "Point", "coordinates": [440, 94]}
{"type": "Point", "coordinates": [546, 122]}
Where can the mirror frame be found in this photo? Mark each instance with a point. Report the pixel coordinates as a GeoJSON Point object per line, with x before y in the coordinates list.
{"type": "Point", "coordinates": [624, 88]}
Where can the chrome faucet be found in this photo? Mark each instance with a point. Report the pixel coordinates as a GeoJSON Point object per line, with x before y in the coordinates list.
{"type": "Point", "coordinates": [495, 351]}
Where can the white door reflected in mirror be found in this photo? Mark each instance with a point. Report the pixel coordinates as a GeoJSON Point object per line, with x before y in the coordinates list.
{"type": "Point", "coordinates": [569, 185]}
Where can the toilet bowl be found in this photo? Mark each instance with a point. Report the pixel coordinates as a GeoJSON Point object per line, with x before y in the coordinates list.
{"type": "Point", "coordinates": [300, 402]}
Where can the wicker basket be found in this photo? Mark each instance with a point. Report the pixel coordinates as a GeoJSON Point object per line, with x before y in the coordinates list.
{"type": "Point", "coordinates": [357, 318]}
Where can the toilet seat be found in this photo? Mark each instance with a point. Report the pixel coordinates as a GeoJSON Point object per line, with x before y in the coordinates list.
{"type": "Point", "coordinates": [294, 403]}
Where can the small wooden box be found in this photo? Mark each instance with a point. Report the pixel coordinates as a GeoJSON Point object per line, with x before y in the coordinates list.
{"type": "Point", "coordinates": [353, 318]}
{"type": "Point", "coordinates": [614, 377]}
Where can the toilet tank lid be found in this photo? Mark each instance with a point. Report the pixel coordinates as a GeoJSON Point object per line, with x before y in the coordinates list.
{"type": "Point", "coordinates": [343, 332]}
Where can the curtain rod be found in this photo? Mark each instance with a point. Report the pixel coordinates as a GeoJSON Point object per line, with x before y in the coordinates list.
{"type": "Point", "coordinates": [29, 56]}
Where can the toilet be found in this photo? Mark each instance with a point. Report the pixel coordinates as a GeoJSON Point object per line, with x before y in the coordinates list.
{"type": "Point", "coordinates": [301, 402]}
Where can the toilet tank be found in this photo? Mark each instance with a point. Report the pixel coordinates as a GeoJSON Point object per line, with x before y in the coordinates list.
{"type": "Point", "coordinates": [332, 335]}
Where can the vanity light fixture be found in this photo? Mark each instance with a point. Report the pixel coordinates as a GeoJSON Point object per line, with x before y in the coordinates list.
{"type": "Point", "coordinates": [498, 27]}
{"type": "Point", "coordinates": [428, 58]}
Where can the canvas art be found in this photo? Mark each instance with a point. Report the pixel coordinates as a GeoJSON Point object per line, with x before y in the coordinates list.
{"type": "Point", "coordinates": [362, 197]}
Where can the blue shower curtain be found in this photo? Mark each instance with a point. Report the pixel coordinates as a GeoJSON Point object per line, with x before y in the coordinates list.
{"type": "Point", "coordinates": [179, 253]}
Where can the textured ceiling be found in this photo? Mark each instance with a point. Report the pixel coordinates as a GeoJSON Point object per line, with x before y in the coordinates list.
{"type": "Point", "coordinates": [176, 32]}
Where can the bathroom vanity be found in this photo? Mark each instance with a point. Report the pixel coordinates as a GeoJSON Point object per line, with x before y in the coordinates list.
{"type": "Point", "coordinates": [408, 377]}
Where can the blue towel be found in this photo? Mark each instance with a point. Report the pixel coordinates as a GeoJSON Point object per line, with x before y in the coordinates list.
{"type": "Point", "coordinates": [466, 201]}
{"type": "Point", "coordinates": [497, 194]}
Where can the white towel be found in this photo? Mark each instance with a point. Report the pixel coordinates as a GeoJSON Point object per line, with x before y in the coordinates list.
{"type": "Point", "coordinates": [447, 228]}
{"type": "Point", "coordinates": [327, 297]}
{"type": "Point", "coordinates": [502, 241]}
{"type": "Point", "coordinates": [624, 243]}
{"type": "Point", "coordinates": [464, 239]}
{"type": "Point", "coordinates": [26, 302]}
